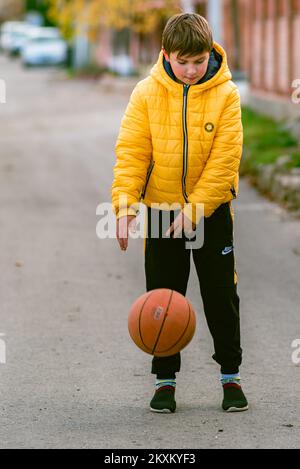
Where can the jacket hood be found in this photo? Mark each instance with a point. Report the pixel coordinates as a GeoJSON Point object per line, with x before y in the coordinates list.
{"type": "Point", "coordinates": [217, 72]}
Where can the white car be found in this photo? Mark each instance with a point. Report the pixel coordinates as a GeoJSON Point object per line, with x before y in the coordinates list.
{"type": "Point", "coordinates": [13, 36]}
{"type": "Point", "coordinates": [121, 64]}
{"type": "Point", "coordinates": [44, 47]}
{"type": "Point", "coordinates": [47, 32]}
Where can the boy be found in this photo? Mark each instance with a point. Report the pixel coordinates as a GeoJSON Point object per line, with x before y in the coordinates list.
{"type": "Point", "coordinates": [181, 142]}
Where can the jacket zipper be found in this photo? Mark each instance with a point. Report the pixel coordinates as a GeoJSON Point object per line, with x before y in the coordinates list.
{"type": "Point", "coordinates": [185, 142]}
{"type": "Point", "coordinates": [233, 192]}
{"type": "Point", "coordinates": [149, 171]}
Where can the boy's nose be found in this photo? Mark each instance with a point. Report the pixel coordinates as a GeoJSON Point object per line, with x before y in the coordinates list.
{"type": "Point", "coordinates": [191, 72]}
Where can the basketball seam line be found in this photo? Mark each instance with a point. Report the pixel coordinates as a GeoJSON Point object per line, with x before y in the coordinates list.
{"type": "Point", "coordinates": [164, 351]}
{"type": "Point", "coordinates": [161, 327]}
{"type": "Point", "coordinates": [140, 315]}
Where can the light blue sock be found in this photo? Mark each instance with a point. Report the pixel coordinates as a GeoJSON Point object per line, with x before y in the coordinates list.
{"type": "Point", "coordinates": [232, 378]}
{"type": "Point", "coordinates": [161, 383]}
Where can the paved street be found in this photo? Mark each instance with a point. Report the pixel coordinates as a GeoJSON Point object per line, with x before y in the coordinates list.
{"type": "Point", "coordinates": [73, 378]}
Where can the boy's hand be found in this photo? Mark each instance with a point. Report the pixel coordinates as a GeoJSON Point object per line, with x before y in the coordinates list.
{"type": "Point", "coordinates": [181, 222]}
{"type": "Point", "coordinates": [122, 230]}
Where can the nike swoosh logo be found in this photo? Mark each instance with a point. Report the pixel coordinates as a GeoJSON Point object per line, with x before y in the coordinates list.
{"type": "Point", "coordinates": [227, 250]}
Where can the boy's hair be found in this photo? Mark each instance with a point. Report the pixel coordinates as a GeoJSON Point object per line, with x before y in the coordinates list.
{"type": "Point", "coordinates": [188, 33]}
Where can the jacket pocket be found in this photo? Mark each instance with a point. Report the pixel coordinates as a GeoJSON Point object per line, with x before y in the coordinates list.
{"type": "Point", "coordinates": [149, 171]}
{"type": "Point", "coordinates": [219, 265]}
{"type": "Point", "coordinates": [218, 228]}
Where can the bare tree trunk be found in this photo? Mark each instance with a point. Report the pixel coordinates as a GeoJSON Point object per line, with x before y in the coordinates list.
{"type": "Point", "coordinates": [81, 41]}
{"type": "Point", "coordinates": [236, 33]}
{"type": "Point", "coordinates": [215, 19]}
{"type": "Point", "coordinates": [188, 6]}
{"type": "Point", "coordinates": [11, 9]}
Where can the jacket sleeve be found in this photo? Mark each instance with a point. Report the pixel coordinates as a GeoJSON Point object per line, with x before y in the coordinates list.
{"type": "Point", "coordinates": [133, 151]}
{"type": "Point", "coordinates": [222, 166]}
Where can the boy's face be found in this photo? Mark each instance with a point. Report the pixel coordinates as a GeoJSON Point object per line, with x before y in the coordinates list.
{"type": "Point", "coordinates": [188, 70]}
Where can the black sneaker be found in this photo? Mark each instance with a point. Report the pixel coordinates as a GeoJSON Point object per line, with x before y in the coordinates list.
{"type": "Point", "coordinates": [234, 398]}
{"type": "Point", "coordinates": [163, 400]}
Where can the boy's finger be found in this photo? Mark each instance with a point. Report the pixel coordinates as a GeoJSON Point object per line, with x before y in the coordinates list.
{"type": "Point", "coordinates": [123, 232]}
{"type": "Point", "coordinates": [178, 228]}
{"type": "Point", "coordinates": [177, 231]}
{"type": "Point", "coordinates": [132, 226]}
{"type": "Point", "coordinates": [169, 230]}
{"type": "Point", "coordinates": [188, 229]}
{"type": "Point", "coordinates": [123, 244]}
{"type": "Point", "coordinates": [122, 240]}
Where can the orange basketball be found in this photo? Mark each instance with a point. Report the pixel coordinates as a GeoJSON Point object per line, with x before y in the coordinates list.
{"type": "Point", "coordinates": [161, 322]}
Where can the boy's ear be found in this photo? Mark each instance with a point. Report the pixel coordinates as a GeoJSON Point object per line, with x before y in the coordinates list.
{"type": "Point", "coordinates": [165, 55]}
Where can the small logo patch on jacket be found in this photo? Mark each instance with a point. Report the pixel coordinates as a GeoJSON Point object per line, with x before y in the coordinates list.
{"type": "Point", "coordinates": [209, 126]}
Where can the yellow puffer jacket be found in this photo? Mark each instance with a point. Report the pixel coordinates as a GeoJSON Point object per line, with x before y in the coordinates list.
{"type": "Point", "coordinates": [179, 143]}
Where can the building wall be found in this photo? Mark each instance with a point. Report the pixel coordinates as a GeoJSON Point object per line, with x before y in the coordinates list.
{"type": "Point", "coordinates": [236, 34]}
{"type": "Point", "coordinates": [10, 9]}
{"type": "Point", "coordinates": [275, 65]}
{"type": "Point", "coordinates": [275, 29]}
{"type": "Point", "coordinates": [261, 42]}
{"type": "Point", "coordinates": [264, 43]}
{"type": "Point", "coordinates": [235, 31]}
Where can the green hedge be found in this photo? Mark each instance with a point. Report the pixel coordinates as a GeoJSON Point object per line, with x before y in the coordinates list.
{"type": "Point", "coordinates": [265, 140]}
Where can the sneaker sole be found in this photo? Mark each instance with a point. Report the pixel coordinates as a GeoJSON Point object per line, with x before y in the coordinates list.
{"type": "Point", "coordinates": [236, 409]}
{"type": "Point", "coordinates": [162, 411]}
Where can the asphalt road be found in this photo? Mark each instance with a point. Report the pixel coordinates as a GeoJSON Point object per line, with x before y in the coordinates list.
{"type": "Point", "coordinates": [73, 378]}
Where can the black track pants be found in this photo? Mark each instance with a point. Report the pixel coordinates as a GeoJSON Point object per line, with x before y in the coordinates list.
{"type": "Point", "coordinates": [167, 265]}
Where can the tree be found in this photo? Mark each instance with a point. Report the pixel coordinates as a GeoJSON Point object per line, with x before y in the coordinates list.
{"type": "Point", "coordinates": [139, 15]}
{"type": "Point", "coordinates": [236, 33]}
{"type": "Point", "coordinates": [188, 6]}
{"type": "Point", "coordinates": [41, 6]}
{"type": "Point", "coordinates": [10, 9]}
{"type": "Point", "coordinates": [81, 20]}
